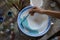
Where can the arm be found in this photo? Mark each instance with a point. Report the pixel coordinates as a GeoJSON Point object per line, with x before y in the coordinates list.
{"type": "Point", "coordinates": [48, 12]}
{"type": "Point", "coordinates": [51, 13]}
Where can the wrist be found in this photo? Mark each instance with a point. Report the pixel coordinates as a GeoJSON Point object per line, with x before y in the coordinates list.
{"type": "Point", "coordinates": [41, 11]}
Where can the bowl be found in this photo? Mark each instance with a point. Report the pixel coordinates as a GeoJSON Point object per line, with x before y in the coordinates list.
{"type": "Point", "coordinates": [36, 31]}
{"type": "Point", "coordinates": [37, 3]}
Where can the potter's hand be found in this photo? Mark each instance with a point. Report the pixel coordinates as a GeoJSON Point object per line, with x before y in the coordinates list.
{"type": "Point", "coordinates": [35, 9]}
{"type": "Point", "coordinates": [48, 12]}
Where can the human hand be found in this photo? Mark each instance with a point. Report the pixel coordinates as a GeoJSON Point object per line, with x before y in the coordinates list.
{"type": "Point", "coordinates": [35, 9]}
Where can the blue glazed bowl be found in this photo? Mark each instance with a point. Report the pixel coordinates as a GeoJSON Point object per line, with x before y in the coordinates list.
{"type": "Point", "coordinates": [31, 33]}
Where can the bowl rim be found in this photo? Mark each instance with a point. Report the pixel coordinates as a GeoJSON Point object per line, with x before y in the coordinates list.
{"type": "Point", "coordinates": [19, 25]}
{"type": "Point", "coordinates": [32, 4]}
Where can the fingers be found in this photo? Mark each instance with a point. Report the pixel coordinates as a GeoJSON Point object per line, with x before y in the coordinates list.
{"type": "Point", "coordinates": [34, 7]}
{"type": "Point", "coordinates": [33, 10]}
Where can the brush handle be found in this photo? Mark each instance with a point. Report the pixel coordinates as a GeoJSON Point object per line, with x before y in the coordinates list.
{"type": "Point", "coordinates": [25, 18]}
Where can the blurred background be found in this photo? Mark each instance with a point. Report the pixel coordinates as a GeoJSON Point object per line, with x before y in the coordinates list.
{"type": "Point", "coordinates": [9, 10]}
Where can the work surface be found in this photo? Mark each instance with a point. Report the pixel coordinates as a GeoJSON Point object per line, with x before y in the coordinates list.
{"type": "Point", "coordinates": [19, 35]}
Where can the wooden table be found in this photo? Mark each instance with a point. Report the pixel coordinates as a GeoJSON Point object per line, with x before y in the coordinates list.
{"type": "Point", "coordinates": [54, 29]}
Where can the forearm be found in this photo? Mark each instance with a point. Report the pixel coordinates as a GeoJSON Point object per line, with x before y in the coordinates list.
{"type": "Point", "coordinates": [52, 13]}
